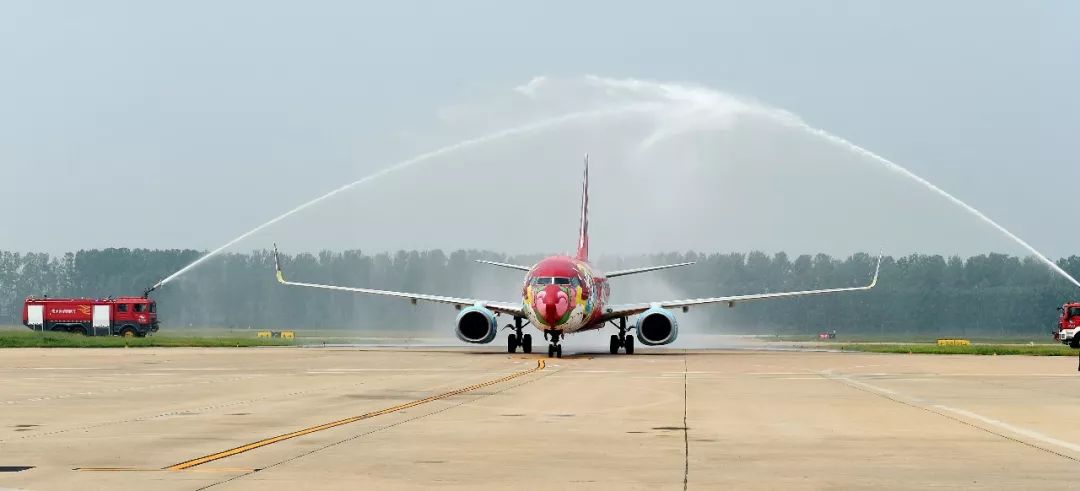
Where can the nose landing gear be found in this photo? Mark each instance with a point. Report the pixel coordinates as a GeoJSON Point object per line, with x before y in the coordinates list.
{"type": "Point", "coordinates": [554, 349]}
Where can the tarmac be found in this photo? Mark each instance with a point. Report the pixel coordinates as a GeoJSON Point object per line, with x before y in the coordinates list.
{"type": "Point", "coordinates": [466, 418]}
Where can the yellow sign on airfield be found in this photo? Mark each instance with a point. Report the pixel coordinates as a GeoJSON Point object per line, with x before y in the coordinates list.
{"type": "Point", "coordinates": [953, 342]}
{"type": "Point", "coordinates": [277, 334]}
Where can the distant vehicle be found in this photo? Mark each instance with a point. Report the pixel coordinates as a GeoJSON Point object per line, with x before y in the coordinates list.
{"type": "Point", "coordinates": [1069, 324]}
{"type": "Point", "coordinates": [564, 294]}
{"type": "Point", "coordinates": [122, 316]}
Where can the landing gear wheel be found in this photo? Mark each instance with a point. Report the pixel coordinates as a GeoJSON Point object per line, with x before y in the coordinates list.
{"type": "Point", "coordinates": [551, 351]}
{"type": "Point", "coordinates": [511, 343]}
{"type": "Point", "coordinates": [628, 344]}
{"type": "Point", "coordinates": [558, 351]}
{"type": "Point", "coordinates": [526, 343]}
{"type": "Point", "coordinates": [615, 344]}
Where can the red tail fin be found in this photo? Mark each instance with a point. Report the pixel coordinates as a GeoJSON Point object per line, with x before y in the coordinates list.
{"type": "Point", "coordinates": [583, 231]}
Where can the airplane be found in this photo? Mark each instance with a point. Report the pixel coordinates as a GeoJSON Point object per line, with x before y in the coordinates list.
{"type": "Point", "coordinates": [564, 295]}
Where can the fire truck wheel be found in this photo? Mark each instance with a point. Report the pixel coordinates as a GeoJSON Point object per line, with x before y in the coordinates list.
{"type": "Point", "coordinates": [78, 331]}
{"type": "Point", "coordinates": [128, 332]}
{"type": "Point", "coordinates": [1074, 343]}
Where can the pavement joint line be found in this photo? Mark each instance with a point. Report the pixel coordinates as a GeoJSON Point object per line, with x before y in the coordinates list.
{"type": "Point", "coordinates": [226, 470]}
{"type": "Point", "coordinates": [548, 373]}
{"type": "Point", "coordinates": [685, 430]}
{"type": "Point", "coordinates": [125, 389]}
{"type": "Point", "coordinates": [944, 411]}
{"type": "Point", "coordinates": [174, 412]}
{"type": "Point", "coordinates": [117, 469]}
{"type": "Point", "coordinates": [540, 365]}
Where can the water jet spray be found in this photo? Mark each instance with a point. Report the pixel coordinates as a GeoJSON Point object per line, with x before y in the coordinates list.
{"type": "Point", "coordinates": [462, 145]}
{"type": "Point", "coordinates": [681, 108]}
{"type": "Point", "coordinates": [695, 107]}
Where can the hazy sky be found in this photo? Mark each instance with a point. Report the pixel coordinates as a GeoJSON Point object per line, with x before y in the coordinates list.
{"type": "Point", "coordinates": [184, 124]}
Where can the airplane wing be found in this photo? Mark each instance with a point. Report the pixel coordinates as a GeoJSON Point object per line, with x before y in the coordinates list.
{"type": "Point", "coordinates": [617, 311]}
{"type": "Point", "coordinates": [503, 265]}
{"type": "Point", "coordinates": [500, 307]}
{"type": "Point", "coordinates": [624, 272]}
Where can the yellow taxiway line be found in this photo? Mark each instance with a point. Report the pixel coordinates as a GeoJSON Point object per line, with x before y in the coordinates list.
{"type": "Point", "coordinates": [540, 364]}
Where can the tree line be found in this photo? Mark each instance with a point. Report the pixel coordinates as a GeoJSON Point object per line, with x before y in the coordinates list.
{"type": "Point", "coordinates": [984, 295]}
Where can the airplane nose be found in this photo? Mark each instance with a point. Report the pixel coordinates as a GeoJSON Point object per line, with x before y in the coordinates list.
{"type": "Point", "coordinates": [551, 314]}
{"type": "Point", "coordinates": [552, 304]}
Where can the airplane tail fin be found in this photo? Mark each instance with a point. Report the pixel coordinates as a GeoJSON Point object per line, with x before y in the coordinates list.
{"type": "Point", "coordinates": [583, 231]}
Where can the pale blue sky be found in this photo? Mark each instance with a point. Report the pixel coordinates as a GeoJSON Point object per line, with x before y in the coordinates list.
{"type": "Point", "coordinates": [217, 115]}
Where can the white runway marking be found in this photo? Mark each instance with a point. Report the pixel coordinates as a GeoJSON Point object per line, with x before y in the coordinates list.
{"type": "Point", "coordinates": [200, 369]}
{"type": "Point", "coordinates": [1013, 375]}
{"type": "Point", "coordinates": [848, 380]}
{"type": "Point", "coordinates": [1013, 429]}
{"type": "Point", "coordinates": [67, 368]}
{"type": "Point", "coordinates": [999, 425]}
{"type": "Point", "coordinates": [346, 371]}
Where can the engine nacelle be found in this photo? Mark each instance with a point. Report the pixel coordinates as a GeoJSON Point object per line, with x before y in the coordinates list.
{"type": "Point", "coordinates": [477, 324]}
{"type": "Point", "coordinates": [656, 326]}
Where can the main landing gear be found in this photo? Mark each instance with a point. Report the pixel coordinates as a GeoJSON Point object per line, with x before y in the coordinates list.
{"type": "Point", "coordinates": [622, 340]}
{"type": "Point", "coordinates": [554, 349]}
{"type": "Point", "coordinates": [518, 339]}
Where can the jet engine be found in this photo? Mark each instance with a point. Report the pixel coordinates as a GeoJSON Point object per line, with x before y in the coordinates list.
{"type": "Point", "coordinates": [656, 326]}
{"type": "Point", "coordinates": [477, 324]}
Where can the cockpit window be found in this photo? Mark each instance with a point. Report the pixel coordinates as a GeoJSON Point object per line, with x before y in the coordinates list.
{"type": "Point", "coordinates": [547, 280]}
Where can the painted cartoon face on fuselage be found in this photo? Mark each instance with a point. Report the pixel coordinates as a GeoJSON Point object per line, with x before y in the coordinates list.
{"type": "Point", "coordinates": [563, 293]}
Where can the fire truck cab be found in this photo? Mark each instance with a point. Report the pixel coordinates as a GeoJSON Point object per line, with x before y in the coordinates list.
{"type": "Point", "coordinates": [1069, 324]}
{"type": "Point", "coordinates": [122, 316]}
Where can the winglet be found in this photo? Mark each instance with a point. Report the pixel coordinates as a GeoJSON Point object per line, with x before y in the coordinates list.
{"type": "Point", "coordinates": [877, 269]}
{"type": "Point", "coordinates": [277, 266]}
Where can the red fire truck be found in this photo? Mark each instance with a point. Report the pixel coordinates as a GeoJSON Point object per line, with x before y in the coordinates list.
{"type": "Point", "coordinates": [1069, 324]}
{"type": "Point", "coordinates": [122, 316]}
